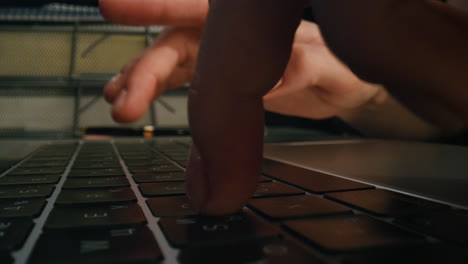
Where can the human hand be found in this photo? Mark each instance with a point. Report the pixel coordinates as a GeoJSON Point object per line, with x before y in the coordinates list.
{"type": "Point", "coordinates": [416, 49]}
{"type": "Point", "coordinates": [167, 63]}
{"type": "Point", "coordinates": [315, 83]}
{"type": "Point", "coordinates": [312, 72]}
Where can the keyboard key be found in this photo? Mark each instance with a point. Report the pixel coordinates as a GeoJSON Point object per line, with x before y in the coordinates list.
{"type": "Point", "coordinates": [271, 252]}
{"type": "Point", "coordinates": [37, 164]}
{"type": "Point", "coordinates": [5, 257]}
{"type": "Point", "coordinates": [296, 206]}
{"type": "Point", "coordinates": [143, 157]}
{"type": "Point", "coordinates": [139, 155]}
{"type": "Point", "coordinates": [162, 189]}
{"type": "Point", "coordinates": [155, 168]}
{"type": "Point", "coordinates": [105, 148]}
{"type": "Point", "coordinates": [98, 216]}
{"type": "Point", "coordinates": [350, 233]}
{"type": "Point", "coordinates": [431, 253]}
{"type": "Point", "coordinates": [111, 181]}
{"type": "Point", "coordinates": [88, 163]}
{"type": "Point", "coordinates": [451, 226]}
{"type": "Point", "coordinates": [205, 230]}
{"type": "Point", "coordinates": [49, 160]}
{"type": "Point", "coordinates": [159, 177]}
{"type": "Point", "coordinates": [93, 155]}
{"type": "Point", "coordinates": [29, 179]}
{"type": "Point", "coordinates": [21, 207]}
{"type": "Point", "coordinates": [385, 203]}
{"type": "Point", "coordinates": [312, 181]}
{"type": "Point", "coordinates": [93, 195]}
{"type": "Point", "coordinates": [170, 206]}
{"type": "Point", "coordinates": [96, 165]}
{"type": "Point", "coordinates": [126, 245]}
{"type": "Point", "coordinates": [36, 171]}
{"type": "Point", "coordinates": [268, 189]}
{"type": "Point", "coordinates": [26, 191]}
{"type": "Point", "coordinates": [54, 152]}
{"type": "Point", "coordinates": [13, 232]}
{"type": "Point", "coordinates": [87, 159]}
{"type": "Point", "coordinates": [96, 172]}
{"type": "Point", "coordinates": [147, 163]}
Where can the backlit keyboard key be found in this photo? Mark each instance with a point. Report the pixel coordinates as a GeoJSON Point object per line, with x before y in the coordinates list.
{"type": "Point", "coordinates": [95, 195]}
{"type": "Point", "coordinates": [125, 245]}
{"type": "Point", "coordinates": [271, 251]}
{"type": "Point", "coordinates": [296, 206]}
{"type": "Point", "coordinates": [268, 189]}
{"type": "Point", "coordinates": [155, 168]}
{"type": "Point", "coordinates": [96, 172]}
{"type": "Point", "coordinates": [205, 230]}
{"type": "Point", "coordinates": [37, 164]}
{"type": "Point", "coordinates": [29, 179]}
{"type": "Point", "coordinates": [26, 191]}
{"type": "Point", "coordinates": [162, 188]}
{"type": "Point", "coordinates": [146, 163]}
{"type": "Point", "coordinates": [96, 182]}
{"type": "Point", "coordinates": [13, 232]}
{"type": "Point", "coordinates": [96, 165]}
{"type": "Point", "coordinates": [21, 207]}
{"type": "Point", "coordinates": [170, 206]}
{"type": "Point", "coordinates": [159, 177]}
{"type": "Point", "coordinates": [86, 159]}
{"type": "Point", "coordinates": [138, 157]}
{"type": "Point", "coordinates": [36, 171]}
{"type": "Point", "coordinates": [350, 233]}
{"type": "Point", "coordinates": [99, 216]}
{"type": "Point", "coordinates": [311, 181]}
{"type": "Point", "coordinates": [446, 225]}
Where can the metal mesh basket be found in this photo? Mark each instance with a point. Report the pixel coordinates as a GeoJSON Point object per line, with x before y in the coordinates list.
{"type": "Point", "coordinates": [55, 61]}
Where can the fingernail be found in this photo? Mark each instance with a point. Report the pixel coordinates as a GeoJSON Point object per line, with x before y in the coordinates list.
{"type": "Point", "coordinates": [115, 77]}
{"type": "Point", "coordinates": [197, 181]}
{"type": "Point", "coordinates": [278, 84]}
{"type": "Point", "coordinates": [111, 89]}
{"type": "Point", "coordinates": [269, 94]}
{"type": "Point", "coordinates": [113, 81]}
{"type": "Point", "coordinates": [121, 98]}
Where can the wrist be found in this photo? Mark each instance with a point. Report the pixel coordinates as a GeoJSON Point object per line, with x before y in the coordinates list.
{"type": "Point", "coordinates": [383, 116]}
{"type": "Point", "coordinates": [379, 97]}
{"type": "Point", "coordinates": [376, 97]}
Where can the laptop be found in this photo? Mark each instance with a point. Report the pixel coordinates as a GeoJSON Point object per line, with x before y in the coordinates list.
{"type": "Point", "coordinates": [324, 200]}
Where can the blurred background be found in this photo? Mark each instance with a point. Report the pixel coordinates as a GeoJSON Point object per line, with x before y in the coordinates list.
{"type": "Point", "coordinates": [55, 59]}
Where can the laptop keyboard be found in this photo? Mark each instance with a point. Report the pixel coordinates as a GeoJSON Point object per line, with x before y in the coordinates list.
{"type": "Point", "coordinates": [124, 202]}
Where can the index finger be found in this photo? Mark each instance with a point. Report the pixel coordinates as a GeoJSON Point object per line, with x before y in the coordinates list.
{"type": "Point", "coordinates": [244, 51]}
{"type": "Point", "coordinates": [191, 13]}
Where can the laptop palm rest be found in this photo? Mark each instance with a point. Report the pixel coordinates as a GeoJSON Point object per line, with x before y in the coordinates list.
{"type": "Point", "coordinates": [432, 171]}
